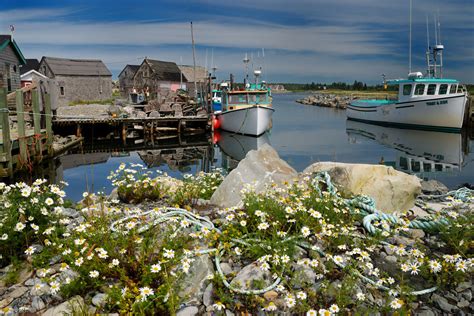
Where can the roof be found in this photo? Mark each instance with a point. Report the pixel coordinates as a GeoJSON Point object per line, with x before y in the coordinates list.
{"type": "Point", "coordinates": [423, 80]}
{"type": "Point", "coordinates": [165, 70]}
{"type": "Point", "coordinates": [31, 64]}
{"type": "Point", "coordinates": [76, 67]}
{"type": "Point", "coordinates": [6, 40]}
{"type": "Point", "coordinates": [133, 68]}
{"type": "Point", "coordinates": [32, 71]}
{"type": "Point", "coordinates": [188, 73]}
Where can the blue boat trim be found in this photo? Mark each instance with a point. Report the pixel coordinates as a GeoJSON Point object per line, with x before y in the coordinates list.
{"type": "Point", "coordinates": [410, 126]}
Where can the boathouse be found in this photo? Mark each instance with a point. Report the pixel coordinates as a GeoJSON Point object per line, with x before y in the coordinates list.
{"type": "Point", "coordinates": [77, 80]}
{"type": "Point", "coordinates": [156, 77]}
{"type": "Point", "coordinates": [126, 79]}
{"type": "Point", "coordinates": [11, 59]}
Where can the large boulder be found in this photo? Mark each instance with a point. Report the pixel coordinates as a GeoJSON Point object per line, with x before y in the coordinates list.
{"type": "Point", "coordinates": [392, 190]}
{"type": "Point", "coordinates": [260, 168]}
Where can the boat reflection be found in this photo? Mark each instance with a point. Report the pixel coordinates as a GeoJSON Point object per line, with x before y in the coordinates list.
{"type": "Point", "coordinates": [418, 152]}
{"type": "Point", "coordinates": [234, 147]}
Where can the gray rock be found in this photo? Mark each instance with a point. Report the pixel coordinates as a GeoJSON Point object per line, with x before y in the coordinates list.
{"type": "Point", "coordinates": [226, 268]}
{"type": "Point", "coordinates": [207, 296]}
{"type": "Point", "coordinates": [463, 304]}
{"type": "Point", "coordinates": [37, 304]}
{"type": "Point", "coordinates": [433, 187]}
{"type": "Point", "coordinates": [194, 282]}
{"type": "Point", "coordinates": [303, 275]}
{"type": "Point", "coordinates": [463, 286]}
{"type": "Point", "coordinates": [425, 312]}
{"type": "Point", "coordinates": [65, 308]}
{"type": "Point", "coordinates": [259, 167]}
{"type": "Point", "coordinates": [70, 212]}
{"type": "Point", "coordinates": [250, 273]}
{"type": "Point", "coordinates": [467, 295]}
{"type": "Point", "coordinates": [99, 299]}
{"type": "Point", "coordinates": [188, 311]}
{"type": "Point", "coordinates": [442, 303]}
{"type": "Point", "coordinates": [32, 281]}
{"type": "Point", "coordinates": [154, 114]}
{"type": "Point", "coordinates": [374, 181]}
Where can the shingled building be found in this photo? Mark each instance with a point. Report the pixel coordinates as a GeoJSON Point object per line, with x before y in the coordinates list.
{"type": "Point", "coordinates": [77, 79]}
{"type": "Point", "coordinates": [11, 59]}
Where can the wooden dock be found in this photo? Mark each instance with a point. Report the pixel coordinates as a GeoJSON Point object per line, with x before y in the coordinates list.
{"type": "Point", "coordinates": [22, 146]}
{"type": "Point", "coordinates": [470, 112]}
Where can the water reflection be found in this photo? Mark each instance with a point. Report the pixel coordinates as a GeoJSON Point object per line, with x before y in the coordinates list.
{"type": "Point", "coordinates": [234, 147]}
{"type": "Point", "coordinates": [418, 152]}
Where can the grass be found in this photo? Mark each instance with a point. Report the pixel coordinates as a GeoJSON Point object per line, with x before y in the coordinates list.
{"type": "Point", "coordinates": [81, 102]}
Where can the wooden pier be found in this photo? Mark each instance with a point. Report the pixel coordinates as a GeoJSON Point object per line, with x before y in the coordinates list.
{"type": "Point", "coordinates": [470, 112]}
{"type": "Point", "coordinates": [26, 135]}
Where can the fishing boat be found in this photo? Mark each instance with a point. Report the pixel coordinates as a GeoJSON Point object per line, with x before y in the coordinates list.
{"type": "Point", "coordinates": [427, 101]}
{"type": "Point", "coordinates": [246, 111]}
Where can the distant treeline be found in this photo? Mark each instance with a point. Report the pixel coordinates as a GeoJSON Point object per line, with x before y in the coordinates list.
{"type": "Point", "coordinates": [357, 85]}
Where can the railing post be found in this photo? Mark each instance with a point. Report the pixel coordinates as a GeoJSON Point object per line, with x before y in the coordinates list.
{"type": "Point", "coordinates": [49, 123]}
{"type": "Point", "coordinates": [36, 121]}
{"type": "Point", "coordinates": [20, 113]}
{"type": "Point", "coordinates": [7, 146]}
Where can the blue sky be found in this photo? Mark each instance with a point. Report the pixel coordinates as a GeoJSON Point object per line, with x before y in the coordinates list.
{"type": "Point", "coordinates": [304, 40]}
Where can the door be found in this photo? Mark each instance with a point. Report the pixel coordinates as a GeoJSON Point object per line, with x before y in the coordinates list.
{"type": "Point", "coordinates": [9, 77]}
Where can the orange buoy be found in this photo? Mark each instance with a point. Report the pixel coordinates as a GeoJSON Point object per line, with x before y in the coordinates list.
{"type": "Point", "coordinates": [216, 123]}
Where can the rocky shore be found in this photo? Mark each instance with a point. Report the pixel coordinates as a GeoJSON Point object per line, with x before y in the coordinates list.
{"type": "Point", "coordinates": [131, 256]}
{"type": "Point", "coordinates": [326, 100]}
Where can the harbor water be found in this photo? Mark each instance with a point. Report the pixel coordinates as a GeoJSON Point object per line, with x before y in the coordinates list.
{"type": "Point", "coordinates": [301, 134]}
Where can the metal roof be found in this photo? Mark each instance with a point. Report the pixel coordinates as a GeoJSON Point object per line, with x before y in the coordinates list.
{"type": "Point", "coordinates": [423, 80]}
{"type": "Point", "coordinates": [76, 67]}
{"type": "Point", "coordinates": [31, 64]}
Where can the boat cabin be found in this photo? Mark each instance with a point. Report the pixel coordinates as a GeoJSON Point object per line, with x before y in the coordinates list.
{"type": "Point", "coordinates": [254, 94]}
{"type": "Point", "coordinates": [426, 88]}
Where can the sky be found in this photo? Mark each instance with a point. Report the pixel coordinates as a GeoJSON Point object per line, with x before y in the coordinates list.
{"type": "Point", "coordinates": [303, 40]}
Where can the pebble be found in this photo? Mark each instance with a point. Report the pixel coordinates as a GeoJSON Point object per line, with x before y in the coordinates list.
{"type": "Point", "coordinates": [270, 295]}
{"type": "Point", "coordinates": [226, 268]}
{"type": "Point", "coordinates": [99, 299]}
{"type": "Point", "coordinates": [463, 304]}
{"type": "Point", "coordinates": [463, 286]}
{"type": "Point", "coordinates": [37, 303]}
{"type": "Point", "coordinates": [442, 303]}
{"type": "Point", "coordinates": [188, 311]}
{"type": "Point", "coordinates": [207, 296]}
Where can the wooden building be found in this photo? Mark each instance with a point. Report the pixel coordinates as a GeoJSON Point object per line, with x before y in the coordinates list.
{"type": "Point", "coordinates": [125, 78]}
{"type": "Point", "coordinates": [202, 77]}
{"type": "Point", "coordinates": [11, 59]}
{"type": "Point", "coordinates": [77, 79]}
{"type": "Point", "coordinates": [155, 77]}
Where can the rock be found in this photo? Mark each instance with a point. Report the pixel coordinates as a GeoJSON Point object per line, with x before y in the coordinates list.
{"type": "Point", "coordinates": [65, 308]}
{"type": "Point", "coordinates": [463, 286]}
{"type": "Point", "coordinates": [416, 233]}
{"type": "Point", "coordinates": [433, 187]}
{"type": "Point", "coordinates": [114, 194]}
{"type": "Point", "coordinates": [70, 212]}
{"type": "Point", "coordinates": [226, 268]}
{"type": "Point", "coordinates": [37, 303]}
{"type": "Point", "coordinates": [250, 273]}
{"type": "Point", "coordinates": [16, 293]}
{"type": "Point", "coordinates": [463, 304]}
{"type": "Point", "coordinates": [207, 296]}
{"type": "Point", "coordinates": [467, 295]}
{"type": "Point", "coordinates": [99, 299]}
{"type": "Point", "coordinates": [193, 284]}
{"type": "Point", "coordinates": [27, 272]}
{"type": "Point", "coordinates": [425, 312]}
{"type": "Point", "coordinates": [304, 275]}
{"type": "Point", "coordinates": [260, 167]}
{"type": "Point", "coordinates": [270, 295]}
{"type": "Point", "coordinates": [392, 190]}
{"type": "Point", "coordinates": [442, 303]}
{"type": "Point", "coordinates": [188, 311]}
{"type": "Point", "coordinates": [154, 114]}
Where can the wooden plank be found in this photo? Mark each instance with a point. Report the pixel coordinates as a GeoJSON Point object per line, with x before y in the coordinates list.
{"type": "Point", "coordinates": [49, 124]}
{"type": "Point", "coordinates": [12, 95]}
{"type": "Point", "coordinates": [36, 121]}
{"type": "Point", "coordinates": [7, 145]}
{"type": "Point", "coordinates": [21, 126]}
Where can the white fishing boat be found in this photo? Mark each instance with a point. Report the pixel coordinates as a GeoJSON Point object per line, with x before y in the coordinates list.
{"type": "Point", "coordinates": [424, 101]}
{"type": "Point", "coordinates": [246, 111]}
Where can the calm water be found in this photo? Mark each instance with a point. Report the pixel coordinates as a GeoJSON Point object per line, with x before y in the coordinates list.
{"type": "Point", "coordinates": [301, 134]}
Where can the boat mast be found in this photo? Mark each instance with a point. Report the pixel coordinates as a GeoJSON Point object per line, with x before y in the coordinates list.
{"type": "Point", "coordinates": [428, 48]}
{"type": "Point", "coordinates": [246, 63]}
{"type": "Point", "coordinates": [409, 58]}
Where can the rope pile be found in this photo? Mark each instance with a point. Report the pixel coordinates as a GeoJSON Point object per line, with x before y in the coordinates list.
{"type": "Point", "coordinates": [365, 204]}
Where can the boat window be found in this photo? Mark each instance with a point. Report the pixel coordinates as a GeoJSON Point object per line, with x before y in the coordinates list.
{"type": "Point", "coordinates": [252, 98]}
{"type": "Point", "coordinates": [453, 89]}
{"type": "Point", "coordinates": [419, 89]}
{"type": "Point", "coordinates": [237, 99]}
{"type": "Point", "coordinates": [443, 89]}
{"type": "Point", "coordinates": [431, 89]}
{"type": "Point", "coordinates": [407, 89]}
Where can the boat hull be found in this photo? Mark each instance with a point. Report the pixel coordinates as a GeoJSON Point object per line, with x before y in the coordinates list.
{"type": "Point", "coordinates": [253, 120]}
{"type": "Point", "coordinates": [444, 114]}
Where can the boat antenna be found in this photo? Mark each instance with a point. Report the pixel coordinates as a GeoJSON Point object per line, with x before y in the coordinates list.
{"type": "Point", "coordinates": [194, 60]}
{"type": "Point", "coordinates": [246, 63]}
{"type": "Point", "coordinates": [436, 30]}
{"type": "Point", "coordinates": [428, 46]}
{"type": "Point", "coordinates": [263, 62]}
{"type": "Point", "coordinates": [439, 29]}
{"type": "Point", "coordinates": [409, 58]}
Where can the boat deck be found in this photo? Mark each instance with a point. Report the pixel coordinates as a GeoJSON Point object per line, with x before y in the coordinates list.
{"type": "Point", "coordinates": [371, 103]}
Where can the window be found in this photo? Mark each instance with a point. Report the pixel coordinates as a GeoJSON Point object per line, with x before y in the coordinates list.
{"type": "Point", "coordinates": [431, 89]}
{"type": "Point", "coordinates": [407, 89]}
{"type": "Point", "coordinates": [61, 91]}
{"type": "Point", "coordinates": [453, 89]}
{"type": "Point", "coordinates": [419, 89]}
{"type": "Point", "coordinates": [443, 89]}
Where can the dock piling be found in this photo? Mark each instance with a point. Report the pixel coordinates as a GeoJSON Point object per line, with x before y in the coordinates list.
{"type": "Point", "coordinates": [20, 114]}
{"type": "Point", "coordinates": [36, 122]}
{"type": "Point", "coordinates": [6, 153]}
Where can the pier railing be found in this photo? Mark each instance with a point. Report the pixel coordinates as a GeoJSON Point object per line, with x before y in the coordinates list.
{"type": "Point", "coordinates": [26, 130]}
